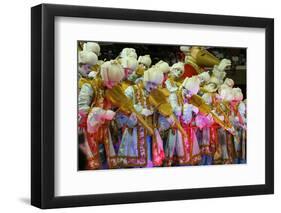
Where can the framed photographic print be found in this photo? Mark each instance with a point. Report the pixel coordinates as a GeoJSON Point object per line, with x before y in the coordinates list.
{"type": "Point", "coordinates": [141, 106]}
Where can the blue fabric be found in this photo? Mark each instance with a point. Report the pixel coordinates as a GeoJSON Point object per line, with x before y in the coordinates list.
{"type": "Point", "coordinates": [149, 147]}
{"type": "Point", "coordinates": [206, 160]}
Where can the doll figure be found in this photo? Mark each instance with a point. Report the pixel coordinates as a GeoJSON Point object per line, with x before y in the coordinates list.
{"type": "Point", "coordinates": [238, 119]}
{"type": "Point", "coordinates": [225, 153]}
{"type": "Point", "coordinates": [136, 135]}
{"type": "Point", "coordinates": [129, 65]}
{"type": "Point", "coordinates": [88, 57]}
{"type": "Point", "coordinates": [190, 87]}
{"type": "Point", "coordinates": [231, 99]}
{"type": "Point", "coordinates": [204, 123]}
{"type": "Point", "coordinates": [175, 144]}
{"type": "Point", "coordinates": [172, 84]}
{"type": "Point", "coordinates": [96, 114]}
{"type": "Point", "coordinates": [163, 67]}
{"type": "Point", "coordinates": [176, 147]}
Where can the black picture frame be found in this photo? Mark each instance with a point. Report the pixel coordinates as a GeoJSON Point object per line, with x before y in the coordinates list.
{"type": "Point", "coordinates": [43, 102]}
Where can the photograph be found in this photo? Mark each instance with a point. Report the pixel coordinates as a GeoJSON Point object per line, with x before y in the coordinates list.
{"type": "Point", "coordinates": [160, 105]}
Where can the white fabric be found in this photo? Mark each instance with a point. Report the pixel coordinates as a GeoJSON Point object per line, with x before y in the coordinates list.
{"type": "Point", "coordinates": [92, 47]}
{"type": "Point", "coordinates": [192, 84]}
{"type": "Point", "coordinates": [86, 57]}
{"type": "Point", "coordinates": [85, 98]}
{"type": "Point", "coordinates": [153, 75]}
{"type": "Point", "coordinates": [146, 60]}
{"type": "Point", "coordinates": [129, 62]}
{"type": "Point", "coordinates": [128, 52]}
{"type": "Point", "coordinates": [112, 71]}
{"type": "Point", "coordinates": [163, 66]}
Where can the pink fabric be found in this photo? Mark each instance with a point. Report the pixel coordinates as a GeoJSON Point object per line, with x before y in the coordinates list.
{"type": "Point", "coordinates": [157, 149]}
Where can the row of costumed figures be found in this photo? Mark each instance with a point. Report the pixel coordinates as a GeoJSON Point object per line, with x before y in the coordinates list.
{"type": "Point", "coordinates": [134, 114]}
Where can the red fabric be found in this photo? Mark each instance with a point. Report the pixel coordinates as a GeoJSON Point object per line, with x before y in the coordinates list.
{"type": "Point", "coordinates": [189, 71]}
{"type": "Point", "coordinates": [164, 80]}
{"type": "Point", "coordinates": [83, 122]}
{"type": "Point", "coordinates": [214, 137]}
{"type": "Point", "coordinates": [234, 106]}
